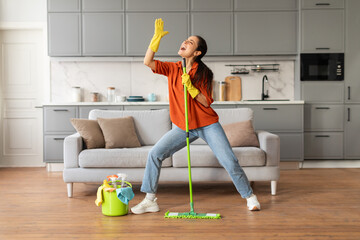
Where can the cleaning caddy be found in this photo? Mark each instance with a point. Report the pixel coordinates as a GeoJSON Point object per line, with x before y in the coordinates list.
{"type": "Point", "coordinates": [114, 195]}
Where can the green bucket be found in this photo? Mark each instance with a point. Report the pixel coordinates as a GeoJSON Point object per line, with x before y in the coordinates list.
{"type": "Point", "coordinates": [111, 205]}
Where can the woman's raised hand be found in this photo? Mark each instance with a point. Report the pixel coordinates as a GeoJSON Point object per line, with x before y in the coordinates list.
{"type": "Point", "coordinates": [158, 34]}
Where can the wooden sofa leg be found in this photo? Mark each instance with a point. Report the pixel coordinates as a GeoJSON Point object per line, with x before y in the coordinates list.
{"type": "Point", "coordinates": [273, 187]}
{"type": "Point", "coordinates": [70, 189]}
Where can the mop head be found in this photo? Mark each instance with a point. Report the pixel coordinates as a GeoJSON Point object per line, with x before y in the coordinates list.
{"type": "Point", "coordinates": [192, 215]}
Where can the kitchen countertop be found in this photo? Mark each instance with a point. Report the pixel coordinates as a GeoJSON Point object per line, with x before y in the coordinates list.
{"type": "Point", "coordinates": [245, 102]}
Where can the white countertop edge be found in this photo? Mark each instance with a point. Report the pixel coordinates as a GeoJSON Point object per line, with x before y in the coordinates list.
{"type": "Point", "coordinates": [167, 103]}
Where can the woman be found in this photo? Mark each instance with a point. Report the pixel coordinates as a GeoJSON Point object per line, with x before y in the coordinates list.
{"type": "Point", "coordinates": [203, 120]}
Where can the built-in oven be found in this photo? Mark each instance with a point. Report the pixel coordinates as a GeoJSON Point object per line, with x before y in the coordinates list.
{"type": "Point", "coordinates": [322, 66]}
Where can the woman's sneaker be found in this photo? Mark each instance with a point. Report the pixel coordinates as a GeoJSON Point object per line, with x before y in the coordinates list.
{"type": "Point", "coordinates": [145, 206]}
{"type": "Point", "coordinates": [252, 203]}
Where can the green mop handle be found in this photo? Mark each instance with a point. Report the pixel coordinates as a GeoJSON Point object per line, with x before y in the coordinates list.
{"type": "Point", "coordinates": [187, 138]}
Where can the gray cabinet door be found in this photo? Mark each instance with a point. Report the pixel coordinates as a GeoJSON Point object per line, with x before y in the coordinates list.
{"type": "Point", "coordinates": [63, 5]}
{"type": "Point", "coordinates": [291, 146]}
{"type": "Point", "coordinates": [278, 118]}
{"type": "Point", "coordinates": [57, 119]}
{"type": "Point", "coordinates": [157, 5]}
{"type": "Point", "coordinates": [54, 148]}
{"type": "Point", "coordinates": [352, 52]}
{"type": "Point", "coordinates": [64, 34]}
{"type": "Point", "coordinates": [84, 111]}
{"type": "Point", "coordinates": [145, 107]}
{"type": "Point", "coordinates": [256, 5]}
{"type": "Point", "coordinates": [265, 32]}
{"type": "Point", "coordinates": [102, 6]}
{"type": "Point", "coordinates": [216, 29]}
{"type": "Point", "coordinates": [323, 117]}
{"type": "Point", "coordinates": [315, 4]}
{"type": "Point", "coordinates": [322, 91]}
{"type": "Point", "coordinates": [211, 5]}
{"type": "Point", "coordinates": [140, 30]}
{"type": "Point", "coordinates": [103, 34]}
{"type": "Point", "coordinates": [352, 132]}
{"type": "Point", "coordinates": [323, 145]}
{"type": "Point", "coordinates": [322, 30]}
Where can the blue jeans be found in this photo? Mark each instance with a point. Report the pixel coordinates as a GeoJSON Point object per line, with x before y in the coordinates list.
{"type": "Point", "coordinates": [175, 139]}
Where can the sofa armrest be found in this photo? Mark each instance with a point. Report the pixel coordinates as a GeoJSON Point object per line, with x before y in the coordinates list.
{"type": "Point", "coordinates": [73, 145]}
{"type": "Point", "coordinates": [270, 143]}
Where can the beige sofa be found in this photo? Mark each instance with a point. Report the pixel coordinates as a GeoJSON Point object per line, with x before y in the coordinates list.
{"type": "Point", "coordinates": [93, 165]}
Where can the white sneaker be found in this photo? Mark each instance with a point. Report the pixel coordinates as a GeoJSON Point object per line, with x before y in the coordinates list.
{"type": "Point", "coordinates": [146, 205]}
{"type": "Point", "coordinates": [252, 203]}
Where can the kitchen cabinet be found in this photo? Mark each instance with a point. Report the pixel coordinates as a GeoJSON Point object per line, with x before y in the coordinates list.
{"type": "Point", "coordinates": [104, 28]}
{"type": "Point", "coordinates": [63, 5]}
{"type": "Point", "coordinates": [316, 4]}
{"type": "Point", "coordinates": [157, 5]}
{"type": "Point", "coordinates": [53, 148]}
{"type": "Point", "coordinates": [145, 107]}
{"type": "Point", "coordinates": [85, 110]}
{"type": "Point", "coordinates": [352, 81]}
{"type": "Point", "coordinates": [286, 121]}
{"type": "Point", "coordinates": [278, 118]}
{"type": "Point", "coordinates": [265, 32]}
{"type": "Point", "coordinates": [216, 28]}
{"type": "Point", "coordinates": [140, 29]}
{"type": "Point", "coordinates": [352, 52]}
{"type": "Point", "coordinates": [57, 126]}
{"type": "Point", "coordinates": [322, 91]}
{"type": "Point", "coordinates": [323, 145]}
{"type": "Point", "coordinates": [64, 33]}
{"type": "Point", "coordinates": [57, 119]}
{"type": "Point", "coordinates": [102, 6]}
{"type": "Point", "coordinates": [324, 117]}
{"type": "Point", "coordinates": [352, 133]}
{"type": "Point", "coordinates": [211, 5]}
{"type": "Point", "coordinates": [260, 5]}
{"type": "Point", "coordinates": [322, 30]}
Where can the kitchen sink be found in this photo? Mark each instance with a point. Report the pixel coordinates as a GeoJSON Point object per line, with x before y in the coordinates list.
{"type": "Point", "coordinates": [268, 100]}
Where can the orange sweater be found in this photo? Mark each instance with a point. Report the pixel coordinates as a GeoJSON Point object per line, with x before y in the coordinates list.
{"type": "Point", "coordinates": [198, 114]}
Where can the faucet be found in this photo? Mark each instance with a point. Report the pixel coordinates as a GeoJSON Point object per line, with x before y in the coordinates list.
{"type": "Point", "coordinates": [263, 95]}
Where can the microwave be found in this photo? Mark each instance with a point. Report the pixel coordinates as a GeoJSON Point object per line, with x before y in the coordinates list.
{"type": "Point", "coordinates": [322, 66]}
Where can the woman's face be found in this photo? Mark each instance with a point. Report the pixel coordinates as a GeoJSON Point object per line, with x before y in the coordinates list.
{"type": "Point", "coordinates": [188, 48]}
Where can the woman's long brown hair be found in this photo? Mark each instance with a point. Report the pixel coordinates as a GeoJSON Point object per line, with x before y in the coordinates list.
{"type": "Point", "coordinates": [203, 76]}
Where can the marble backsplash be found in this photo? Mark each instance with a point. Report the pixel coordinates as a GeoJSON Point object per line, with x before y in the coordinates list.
{"type": "Point", "coordinates": [134, 78]}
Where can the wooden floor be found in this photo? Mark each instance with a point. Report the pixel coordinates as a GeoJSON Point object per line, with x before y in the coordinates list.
{"type": "Point", "coordinates": [310, 204]}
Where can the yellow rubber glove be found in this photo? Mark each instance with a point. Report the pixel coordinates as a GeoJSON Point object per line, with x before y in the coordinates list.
{"type": "Point", "coordinates": [191, 89]}
{"type": "Point", "coordinates": [99, 197]}
{"type": "Point", "coordinates": [158, 34]}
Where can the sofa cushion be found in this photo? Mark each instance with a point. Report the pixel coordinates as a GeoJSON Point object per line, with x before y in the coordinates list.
{"type": "Point", "coordinates": [119, 132]}
{"type": "Point", "coordinates": [150, 125]}
{"type": "Point", "coordinates": [90, 131]}
{"type": "Point", "coordinates": [202, 156]}
{"type": "Point", "coordinates": [117, 157]}
{"type": "Point", "coordinates": [241, 134]}
{"type": "Point", "coordinates": [227, 116]}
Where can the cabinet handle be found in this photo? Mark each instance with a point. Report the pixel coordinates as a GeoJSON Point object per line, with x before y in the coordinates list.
{"type": "Point", "coordinates": [318, 136]}
{"type": "Point", "coordinates": [61, 110]}
{"type": "Point", "coordinates": [56, 139]}
{"type": "Point", "coordinates": [322, 4]}
{"type": "Point", "coordinates": [322, 108]}
{"type": "Point", "coordinates": [349, 93]}
{"type": "Point", "coordinates": [322, 48]}
{"type": "Point", "coordinates": [270, 109]}
{"type": "Point", "coordinates": [348, 115]}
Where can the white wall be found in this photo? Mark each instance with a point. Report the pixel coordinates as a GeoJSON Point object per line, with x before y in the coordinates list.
{"type": "Point", "coordinates": [22, 10]}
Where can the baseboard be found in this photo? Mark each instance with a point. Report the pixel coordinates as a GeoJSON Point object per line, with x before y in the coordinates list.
{"type": "Point", "coordinates": [289, 165]}
{"type": "Point", "coordinates": [330, 164]}
{"type": "Point", "coordinates": [54, 167]}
